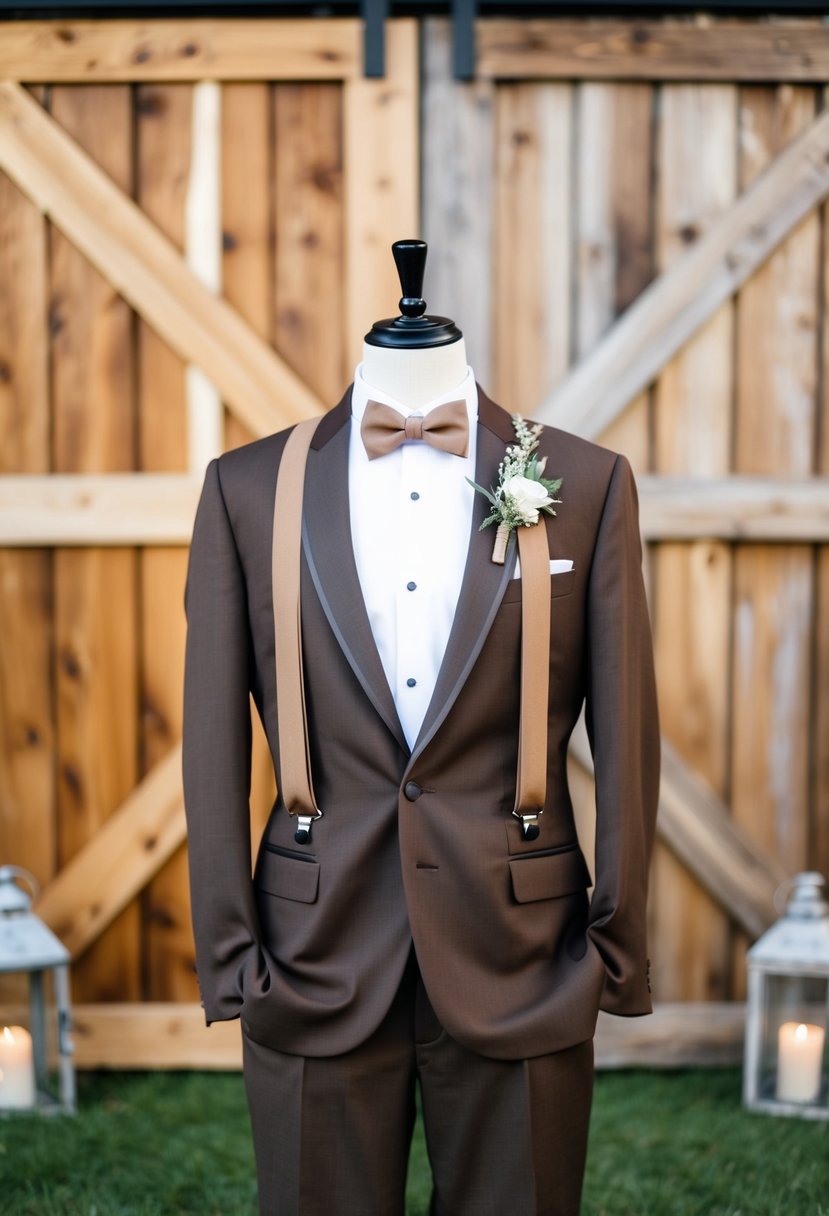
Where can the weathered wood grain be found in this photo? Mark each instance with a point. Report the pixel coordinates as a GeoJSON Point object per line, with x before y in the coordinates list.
{"type": "Point", "coordinates": [168, 126]}
{"type": "Point", "coordinates": [27, 789]}
{"type": "Point", "coordinates": [144, 267]}
{"type": "Point", "coordinates": [458, 187]}
{"type": "Point", "coordinates": [180, 49]}
{"type": "Point", "coordinates": [697, 183]}
{"type": "Point", "coordinates": [249, 156]}
{"type": "Point", "coordinates": [308, 285]}
{"type": "Point", "coordinates": [710, 50]}
{"type": "Point", "coordinates": [684, 298]}
{"type": "Point", "coordinates": [532, 228]}
{"type": "Point", "coordinates": [381, 183]}
{"type": "Point", "coordinates": [776, 382]}
{"type": "Point", "coordinates": [113, 865]}
{"type": "Point", "coordinates": [93, 426]}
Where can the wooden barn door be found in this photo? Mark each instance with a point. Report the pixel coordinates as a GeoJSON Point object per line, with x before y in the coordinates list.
{"type": "Point", "coordinates": [628, 221]}
{"type": "Point", "coordinates": [195, 221]}
{"type": "Point", "coordinates": [635, 224]}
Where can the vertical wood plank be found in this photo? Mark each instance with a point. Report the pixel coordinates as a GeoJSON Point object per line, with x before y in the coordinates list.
{"type": "Point", "coordinates": [458, 188]}
{"type": "Point", "coordinates": [247, 274]}
{"type": "Point", "coordinates": [307, 218]}
{"type": "Point", "coordinates": [697, 181]}
{"type": "Point", "coordinates": [381, 156]}
{"type": "Point", "coordinates": [203, 250]}
{"type": "Point", "coordinates": [247, 234]}
{"type": "Point", "coordinates": [819, 817]}
{"type": "Point", "coordinates": [777, 354]}
{"type": "Point", "coordinates": [612, 262]}
{"type": "Point", "coordinates": [531, 316]}
{"type": "Point", "coordinates": [613, 237]}
{"type": "Point", "coordinates": [95, 590]}
{"type": "Point", "coordinates": [163, 145]}
{"type": "Point", "coordinates": [27, 787]}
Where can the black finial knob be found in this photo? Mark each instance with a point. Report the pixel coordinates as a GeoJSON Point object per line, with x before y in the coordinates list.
{"type": "Point", "coordinates": [410, 260]}
{"type": "Point", "coordinates": [412, 329]}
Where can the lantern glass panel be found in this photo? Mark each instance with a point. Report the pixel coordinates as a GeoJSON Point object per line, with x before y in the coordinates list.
{"type": "Point", "coordinates": [27, 1000]}
{"type": "Point", "coordinates": [794, 1059]}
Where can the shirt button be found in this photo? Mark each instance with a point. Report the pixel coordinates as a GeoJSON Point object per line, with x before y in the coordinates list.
{"type": "Point", "coordinates": [411, 586]}
{"type": "Point", "coordinates": [410, 683]}
{"type": "Point", "coordinates": [414, 496]}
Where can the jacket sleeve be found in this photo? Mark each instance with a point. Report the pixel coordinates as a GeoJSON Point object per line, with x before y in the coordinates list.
{"type": "Point", "coordinates": [217, 758]}
{"type": "Point", "coordinates": [623, 727]}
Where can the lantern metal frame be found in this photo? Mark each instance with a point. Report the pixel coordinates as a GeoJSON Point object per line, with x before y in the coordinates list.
{"type": "Point", "coordinates": [28, 947]}
{"type": "Point", "coordinates": [788, 980]}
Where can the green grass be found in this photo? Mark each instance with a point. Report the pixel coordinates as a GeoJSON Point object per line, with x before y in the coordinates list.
{"type": "Point", "coordinates": [170, 1143]}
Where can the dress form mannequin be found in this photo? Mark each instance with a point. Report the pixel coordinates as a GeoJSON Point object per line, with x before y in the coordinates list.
{"type": "Point", "coordinates": [414, 377]}
{"type": "Point", "coordinates": [413, 358]}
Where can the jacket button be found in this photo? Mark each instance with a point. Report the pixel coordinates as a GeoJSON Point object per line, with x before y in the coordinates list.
{"type": "Point", "coordinates": [412, 791]}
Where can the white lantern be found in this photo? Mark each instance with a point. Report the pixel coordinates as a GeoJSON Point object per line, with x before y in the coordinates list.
{"type": "Point", "coordinates": [786, 1069]}
{"type": "Point", "coordinates": [28, 946]}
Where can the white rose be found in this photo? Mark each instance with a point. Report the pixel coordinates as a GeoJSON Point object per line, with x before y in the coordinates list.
{"type": "Point", "coordinates": [527, 497]}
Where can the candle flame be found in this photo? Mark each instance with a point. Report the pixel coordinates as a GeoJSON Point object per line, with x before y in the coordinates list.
{"type": "Point", "coordinates": [802, 1032]}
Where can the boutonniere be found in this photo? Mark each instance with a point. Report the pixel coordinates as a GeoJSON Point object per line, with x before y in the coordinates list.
{"type": "Point", "coordinates": [521, 493]}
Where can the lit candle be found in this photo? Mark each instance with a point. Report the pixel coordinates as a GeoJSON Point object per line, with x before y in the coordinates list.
{"type": "Point", "coordinates": [799, 1062]}
{"type": "Point", "coordinates": [17, 1073]}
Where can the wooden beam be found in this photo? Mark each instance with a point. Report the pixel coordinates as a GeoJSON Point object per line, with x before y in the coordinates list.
{"type": "Point", "coordinates": [158, 508]}
{"type": "Point", "coordinates": [741, 507]}
{"type": "Point", "coordinates": [181, 49]}
{"type": "Point", "coordinates": [687, 1035]}
{"type": "Point", "coordinates": [696, 826]}
{"type": "Point", "coordinates": [682, 299]}
{"type": "Point", "coordinates": [172, 1034]}
{"type": "Point", "coordinates": [550, 49]}
{"type": "Point", "coordinates": [123, 855]}
{"type": "Point", "coordinates": [145, 268]}
{"type": "Point", "coordinates": [60, 509]}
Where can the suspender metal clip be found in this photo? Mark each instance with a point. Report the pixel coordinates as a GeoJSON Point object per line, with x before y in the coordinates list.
{"type": "Point", "coordinates": [302, 835]}
{"type": "Point", "coordinates": [529, 823]}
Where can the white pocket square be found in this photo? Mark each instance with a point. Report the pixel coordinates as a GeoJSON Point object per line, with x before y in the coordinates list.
{"type": "Point", "coordinates": [558, 565]}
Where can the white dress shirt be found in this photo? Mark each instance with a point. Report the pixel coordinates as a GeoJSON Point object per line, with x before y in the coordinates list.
{"type": "Point", "coordinates": [411, 517]}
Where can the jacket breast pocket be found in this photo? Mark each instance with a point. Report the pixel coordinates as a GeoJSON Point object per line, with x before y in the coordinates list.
{"type": "Point", "coordinates": [560, 584]}
{"type": "Point", "coordinates": [287, 875]}
{"type": "Point", "coordinates": [548, 875]}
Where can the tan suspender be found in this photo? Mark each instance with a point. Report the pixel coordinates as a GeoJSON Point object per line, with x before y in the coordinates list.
{"type": "Point", "coordinates": [295, 760]}
{"type": "Point", "coordinates": [531, 783]}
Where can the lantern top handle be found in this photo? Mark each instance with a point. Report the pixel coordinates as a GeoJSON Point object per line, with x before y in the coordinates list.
{"type": "Point", "coordinates": [807, 900]}
{"type": "Point", "coordinates": [12, 898]}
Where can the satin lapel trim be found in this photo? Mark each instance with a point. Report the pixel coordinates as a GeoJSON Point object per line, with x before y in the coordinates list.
{"type": "Point", "coordinates": [326, 537]}
{"type": "Point", "coordinates": [483, 587]}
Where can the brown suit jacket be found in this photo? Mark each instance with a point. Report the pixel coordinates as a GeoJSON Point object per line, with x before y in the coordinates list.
{"type": "Point", "coordinates": [419, 846]}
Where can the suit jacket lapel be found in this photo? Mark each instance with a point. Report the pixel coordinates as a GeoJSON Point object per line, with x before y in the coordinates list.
{"type": "Point", "coordinates": [330, 558]}
{"type": "Point", "coordinates": [484, 581]}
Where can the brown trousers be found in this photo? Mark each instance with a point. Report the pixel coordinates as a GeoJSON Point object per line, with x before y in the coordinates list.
{"type": "Point", "coordinates": [331, 1134]}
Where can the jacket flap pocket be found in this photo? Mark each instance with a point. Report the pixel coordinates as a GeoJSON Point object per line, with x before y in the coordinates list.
{"type": "Point", "coordinates": [288, 877]}
{"type": "Point", "coordinates": [546, 876]}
